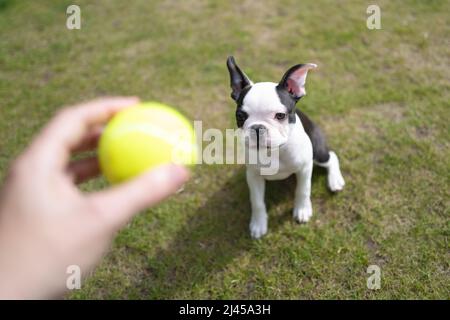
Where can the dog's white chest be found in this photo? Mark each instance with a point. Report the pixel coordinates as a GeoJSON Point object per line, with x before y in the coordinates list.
{"type": "Point", "coordinates": [295, 154]}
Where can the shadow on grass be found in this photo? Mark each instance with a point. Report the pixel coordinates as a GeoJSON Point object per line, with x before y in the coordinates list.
{"type": "Point", "coordinates": [214, 237]}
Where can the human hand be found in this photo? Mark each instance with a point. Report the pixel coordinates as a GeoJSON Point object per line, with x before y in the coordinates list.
{"type": "Point", "coordinates": [47, 223]}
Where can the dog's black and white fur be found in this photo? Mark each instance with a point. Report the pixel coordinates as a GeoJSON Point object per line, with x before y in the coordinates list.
{"type": "Point", "coordinates": [267, 109]}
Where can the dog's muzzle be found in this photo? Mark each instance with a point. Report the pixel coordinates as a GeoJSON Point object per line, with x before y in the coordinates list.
{"type": "Point", "coordinates": [259, 132]}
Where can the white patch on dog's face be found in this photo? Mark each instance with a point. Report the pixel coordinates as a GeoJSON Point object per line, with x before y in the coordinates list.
{"type": "Point", "coordinates": [262, 104]}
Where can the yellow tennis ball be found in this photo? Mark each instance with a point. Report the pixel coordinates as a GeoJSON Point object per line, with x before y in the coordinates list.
{"type": "Point", "coordinates": [143, 136]}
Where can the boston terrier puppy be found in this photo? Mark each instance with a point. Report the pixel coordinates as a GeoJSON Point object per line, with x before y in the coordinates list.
{"type": "Point", "coordinates": [266, 112]}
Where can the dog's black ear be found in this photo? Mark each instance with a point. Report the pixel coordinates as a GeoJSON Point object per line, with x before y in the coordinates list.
{"type": "Point", "coordinates": [238, 80]}
{"type": "Point", "coordinates": [294, 80]}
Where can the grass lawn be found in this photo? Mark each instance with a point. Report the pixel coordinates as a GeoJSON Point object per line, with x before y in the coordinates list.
{"type": "Point", "coordinates": [382, 96]}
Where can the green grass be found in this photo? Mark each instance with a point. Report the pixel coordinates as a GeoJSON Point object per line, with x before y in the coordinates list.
{"type": "Point", "coordinates": [382, 96]}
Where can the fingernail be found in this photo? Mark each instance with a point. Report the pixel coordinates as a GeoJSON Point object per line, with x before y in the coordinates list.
{"type": "Point", "coordinates": [170, 172]}
{"type": "Point", "coordinates": [178, 172]}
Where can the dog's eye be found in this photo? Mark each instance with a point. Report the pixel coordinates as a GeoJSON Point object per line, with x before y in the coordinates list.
{"type": "Point", "coordinates": [241, 116]}
{"type": "Point", "coordinates": [280, 116]}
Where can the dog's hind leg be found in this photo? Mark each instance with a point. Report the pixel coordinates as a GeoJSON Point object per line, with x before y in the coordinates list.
{"type": "Point", "coordinates": [335, 180]}
{"type": "Point", "coordinates": [322, 155]}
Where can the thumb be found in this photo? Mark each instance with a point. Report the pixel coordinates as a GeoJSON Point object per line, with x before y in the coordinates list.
{"type": "Point", "coordinates": [120, 203]}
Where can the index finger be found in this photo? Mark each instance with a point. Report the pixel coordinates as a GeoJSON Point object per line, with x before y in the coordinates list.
{"type": "Point", "coordinates": [65, 131]}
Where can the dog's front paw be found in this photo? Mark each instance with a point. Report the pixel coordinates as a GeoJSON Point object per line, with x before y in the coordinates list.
{"type": "Point", "coordinates": [303, 212]}
{"type": "Point", "coordinates": [258, 227]}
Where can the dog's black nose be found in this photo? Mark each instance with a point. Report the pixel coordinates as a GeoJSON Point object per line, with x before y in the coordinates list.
{"type": "Point", "coordinates": [258, 129]}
